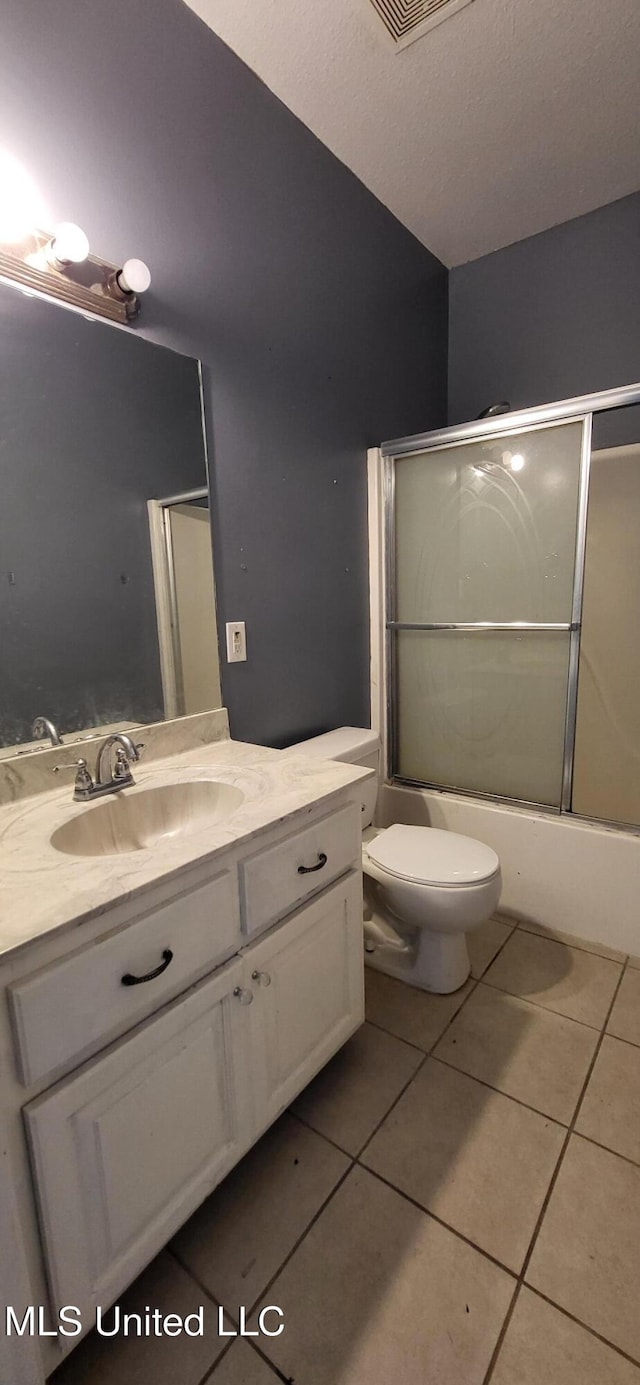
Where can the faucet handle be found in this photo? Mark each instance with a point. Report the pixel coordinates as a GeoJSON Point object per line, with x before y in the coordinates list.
{"type": "Point", "coordinates": [122, 769]}
{"type": "Point", "coordinates": [84, 782]}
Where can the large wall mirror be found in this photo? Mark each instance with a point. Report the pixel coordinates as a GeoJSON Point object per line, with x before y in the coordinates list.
{"type": "Point", "coordinates": [107, 604]}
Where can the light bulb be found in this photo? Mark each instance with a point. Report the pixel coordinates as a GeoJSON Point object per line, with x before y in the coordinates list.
{"type": "Point", "coordinates": [69, 245]}
{"type": "Point", "coordinates": [134, 277]}
{"type": "Point", "coordinates": [517, 461]}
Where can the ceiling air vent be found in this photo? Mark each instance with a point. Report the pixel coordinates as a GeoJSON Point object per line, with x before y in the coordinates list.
{"type": "Point", "coordinates": [407, 20]}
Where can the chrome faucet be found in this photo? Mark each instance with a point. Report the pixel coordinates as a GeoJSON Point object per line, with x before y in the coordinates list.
{"type": "Point", "coordinates": [43, 727]}
{"type": "Point", "coordinates": [126, 753]}
{"type": "Point", "coordinates": [106, 780]}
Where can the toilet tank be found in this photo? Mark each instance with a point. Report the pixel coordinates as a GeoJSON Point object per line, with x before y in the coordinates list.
{"type": "Point", "coordinates": [356, 746]}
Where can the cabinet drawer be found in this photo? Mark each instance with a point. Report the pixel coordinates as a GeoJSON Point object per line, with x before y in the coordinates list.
{"type": "Point", "coordinates": [275, 880]}
{"type": "Point", "coordinates": [67, 1011]}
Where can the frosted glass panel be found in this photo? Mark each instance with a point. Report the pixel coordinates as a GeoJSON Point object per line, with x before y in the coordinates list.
{"type": "Point", "coordinates": [606, 773]}
{"type": "Point", "coordinates": [484, 712]}
{"type": "Point", "coordinates": [486, 530]}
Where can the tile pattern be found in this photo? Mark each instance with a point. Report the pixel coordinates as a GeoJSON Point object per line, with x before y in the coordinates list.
{"type": "Point", "coordinates": [572, 939]}
{"type": "Point", "coordinates": [149, 1360]}
{"type": "Point", "coordinates": [587, 1255]}
{"type": "Point", "coordinates": [542, 1344]}
{"type": "Point", "coordinates": [610, 1112]}
{"type": "Point", "coordinates": [349, 1098]}
{"type": "Point", "coordinates": [485, 943]}
{"type": "Point", "coordinates": [243, 1366]}
{"type": "Point", "coordinates": [540, 1058]}
{"type": "Point", "coordinates": [476, 1159]}
{"type": "Point", "coordinates": [564, 979]}
{"type": "Point", "coordinates": [378, 1291]}
{"type": "Point", "coordinates": [625, 1016]}
{"type": "Point", "coordinates": [236, 1241]}
{"type": "Point", "coordinates": [426, 1183]}
{"type": "Point", "coordinates": [413, 1015]}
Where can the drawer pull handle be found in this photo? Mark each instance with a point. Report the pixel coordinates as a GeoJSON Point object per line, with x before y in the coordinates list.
{"type": "Point", "coordinates": [308, 870]}
{"type": "Point", "coordinates": [261, 976]}
{"type": "Point", "coordinates": [130, 980]}
{"type": "Point", "coordinates": [245, 997]}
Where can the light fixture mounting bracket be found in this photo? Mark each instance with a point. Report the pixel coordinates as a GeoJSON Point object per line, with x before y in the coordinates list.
{"type": "Point", "coordinates": [87, 285]}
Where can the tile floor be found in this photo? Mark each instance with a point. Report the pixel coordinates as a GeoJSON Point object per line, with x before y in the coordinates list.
{"type": "Point", "coordinates": [455, 1200]}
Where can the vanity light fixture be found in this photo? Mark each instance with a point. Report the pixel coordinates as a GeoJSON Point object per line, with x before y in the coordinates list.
{"type": "Point", "coordinates": [58, 264]}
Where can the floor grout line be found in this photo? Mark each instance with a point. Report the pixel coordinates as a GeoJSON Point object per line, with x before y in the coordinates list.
{"type": "Point", "coordinates": [303, 1235]}
{"type": "Point", "coordinates": [570, 1130]}
{"type": "Point", "coordinates": [555, 1175]}
{"type": "Point", "coordinates": [355, 1162]}
{"type": "Point", "coordinates": [277, 1373]}
{"type": "Point", "coordinates": [595, 1028]}
{"type": "Point", "coordinates": [426, 1053]}
{"type": "Point", "coordinates": [580, 1135]}
{"type": "Point", "coordinates": [409, 1042]}
{"type": "Point", "coordinates": [320, 1133]}
{"type": "Point", "coordinates": [499, 1091]}
{"type": "Point", "coordinates": [427, 1212]}
{"type": "Point", "coordinates": [579, 946]}
{"type": "Point", "coordinates": [502, 1333]}
{"type": "Point", "coordinates": [629, 1042]}
{"type": "Point", "coordinates": [606, 1341]}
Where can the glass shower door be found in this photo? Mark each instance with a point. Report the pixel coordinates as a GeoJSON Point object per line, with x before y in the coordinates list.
{"type": "Point", "coordinates": [484, 611]}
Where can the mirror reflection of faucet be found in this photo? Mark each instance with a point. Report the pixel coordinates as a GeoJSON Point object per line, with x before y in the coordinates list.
{"type": "Point", "coordinates": [43, 727]}
{"type": "Point", "coordinates": [107, 780]}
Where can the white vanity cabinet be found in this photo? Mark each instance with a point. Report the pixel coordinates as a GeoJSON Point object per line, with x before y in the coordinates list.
{"type": "Point", "coordinates": [131, 1138]}
{"type": "Point", "coordinates": [128, 1146]}
{"type": "Point", "coordinates": [307, 979]}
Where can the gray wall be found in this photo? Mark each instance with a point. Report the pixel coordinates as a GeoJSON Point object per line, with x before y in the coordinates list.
{"type": "Point", "coordinates": [322, 322]}
{"type": "Point", "coordinates": [553, 316]}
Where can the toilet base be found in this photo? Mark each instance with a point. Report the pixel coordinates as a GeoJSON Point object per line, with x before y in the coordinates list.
{"type": "Point", "coordinates": [436, 962]}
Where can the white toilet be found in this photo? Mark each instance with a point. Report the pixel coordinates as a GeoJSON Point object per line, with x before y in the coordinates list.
{"type": "Point", "coordinates": [425, 889]}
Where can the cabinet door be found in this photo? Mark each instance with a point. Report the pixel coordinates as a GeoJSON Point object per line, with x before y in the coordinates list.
{"type": "Point", "coordinates": [307, 981]}
{"type": "Point", "coordinates": [125, 1149]}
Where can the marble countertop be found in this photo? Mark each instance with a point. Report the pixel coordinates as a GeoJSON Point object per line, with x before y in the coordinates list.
{"type": "Point", "coordinates": [43, 890]}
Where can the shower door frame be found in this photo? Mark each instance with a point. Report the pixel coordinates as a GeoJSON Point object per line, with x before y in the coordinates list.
{"type": "Point", "coordinates": [577, 410]}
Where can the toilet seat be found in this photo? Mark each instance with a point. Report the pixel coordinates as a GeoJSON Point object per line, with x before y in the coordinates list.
{"type": "Point", "coordinates": [430, 856]}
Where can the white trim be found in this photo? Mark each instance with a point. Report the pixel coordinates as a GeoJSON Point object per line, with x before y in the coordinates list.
{"type": "Point", "coordinates": [164, 607]}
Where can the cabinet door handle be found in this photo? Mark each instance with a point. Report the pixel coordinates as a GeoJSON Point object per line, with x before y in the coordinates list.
{"type": "Point", "coordinates": [261, 976]}
{"type": "Point", "coordinates": [244, 996]}
{"type": "Point", "coordinates": [308, 870]}
{"type": "Point", "coordinates": [129, 980]}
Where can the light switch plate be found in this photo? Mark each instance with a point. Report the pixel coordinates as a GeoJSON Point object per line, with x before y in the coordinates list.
{"type": "Point", "coordinates": [236, 642]}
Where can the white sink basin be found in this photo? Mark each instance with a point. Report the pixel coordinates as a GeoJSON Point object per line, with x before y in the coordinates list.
{"type": "Point", "coordinates": [136, 819]}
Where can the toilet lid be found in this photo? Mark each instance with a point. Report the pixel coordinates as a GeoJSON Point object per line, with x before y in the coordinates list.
{"type": "Point", "coordinates": [431, 856]}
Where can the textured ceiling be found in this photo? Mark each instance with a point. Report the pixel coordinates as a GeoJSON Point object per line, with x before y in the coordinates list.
{"type": "Point", "coordinates": [508, 118]}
